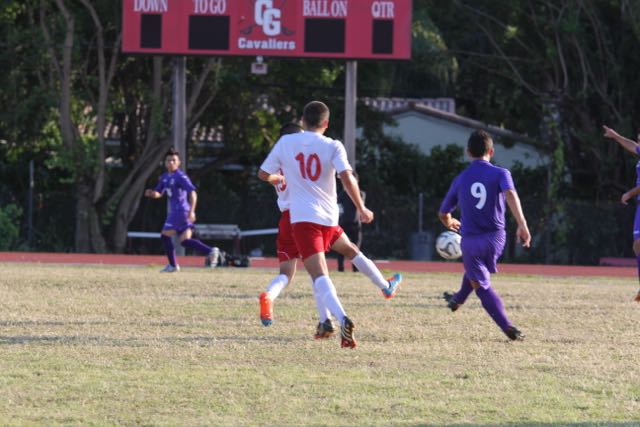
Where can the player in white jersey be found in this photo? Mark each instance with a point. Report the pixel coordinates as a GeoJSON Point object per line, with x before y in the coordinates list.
{"type": "Point", "coordinates": [310, 161]}
{"type": "Point", "coordinates": [288, 254]}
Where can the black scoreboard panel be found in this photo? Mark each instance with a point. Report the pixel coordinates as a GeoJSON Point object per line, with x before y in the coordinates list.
{"type": "Point", "coordinates": [324, 35]}
{"type": "Point", "coordinates": [382, 36]}
{"type": "Point", "coordinates": [151, 31]}
{"type": "Point", "coordinates": [375, 29]}
{"type": "Point", "coordinates": [209, 32]}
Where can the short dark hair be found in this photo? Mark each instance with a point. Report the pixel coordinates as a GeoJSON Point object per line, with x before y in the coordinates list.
{"type": "Point", "coordinates": [289, 128]}
{"type": "Point", "coordinates": [479, 143]}
{"type": "Point", "coordinates": [172, 152]}
{"type": "Point", "coordinates": [315, 113]}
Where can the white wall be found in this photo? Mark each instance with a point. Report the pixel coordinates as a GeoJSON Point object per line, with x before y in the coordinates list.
{"type": "Point", "coordinates": [427, 132]}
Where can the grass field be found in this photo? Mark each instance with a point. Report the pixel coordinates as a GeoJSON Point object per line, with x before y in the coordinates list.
{"type": "Point", "coordinates": [84, 345]}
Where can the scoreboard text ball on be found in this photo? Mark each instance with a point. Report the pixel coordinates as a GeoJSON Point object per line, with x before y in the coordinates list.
{"type": "Point", "coordinates": [351, 29]}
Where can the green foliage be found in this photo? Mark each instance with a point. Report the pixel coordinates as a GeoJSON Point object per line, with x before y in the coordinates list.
{"type": "Point", "coordinates": [10, 216]}
{"type": "Point", "coordinates": [503, 62]}
{"type": "Point", "coordinates": [25, 101]}
{"type": "Point", "coordinates": [66, 159]}
{"type": "Point", "coordinates": [431, 72]}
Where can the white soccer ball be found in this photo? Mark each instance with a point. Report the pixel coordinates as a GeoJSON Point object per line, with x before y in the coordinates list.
{"type": "Point", "coordinates": [448, 245]}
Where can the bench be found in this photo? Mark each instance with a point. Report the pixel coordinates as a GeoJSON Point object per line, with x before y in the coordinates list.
{"type": "Point", "coordinates": [220, 232]}
{"type": "Point", "coordinates": [213, 232]}
{"type": "Point", "coordinates": [217, 231]}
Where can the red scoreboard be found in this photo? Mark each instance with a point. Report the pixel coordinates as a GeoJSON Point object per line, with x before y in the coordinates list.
{"type": "Point", "coordinates": [352, 29]}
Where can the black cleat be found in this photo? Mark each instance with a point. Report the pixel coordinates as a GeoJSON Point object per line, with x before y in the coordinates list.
{"type": "Point", "coordinates": [325, 330]}
{"type": "Point", "coordinates": [346, 332]}
{"type": "Point", "coordinates": [451, 303]}
{"type": "Point", "coordinates": [514, 333]}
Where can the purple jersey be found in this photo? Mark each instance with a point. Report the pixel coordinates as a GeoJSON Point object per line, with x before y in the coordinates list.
{"type": "Point", "coordinates": [479, 192]}
{"type": "Point", "coordinates": [636, 222]}
{"type": "Point", "coordinates": [177, 186]}
{"type": "Point", "coordinates": [638, 171]}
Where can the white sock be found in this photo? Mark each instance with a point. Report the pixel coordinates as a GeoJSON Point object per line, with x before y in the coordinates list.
{"type": "Point", "coordinates": [369, 269]}
{"type": "Point", "coordinates": [323, 312]}
{"type": "Point", "coordinates": [277, 285]}
{"type": "Point", "coordinates": [329, 296]}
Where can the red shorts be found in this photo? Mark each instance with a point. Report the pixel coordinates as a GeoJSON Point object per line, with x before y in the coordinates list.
{"type": "Point", "coordinates": [285, 244]}
{"type": "Point", "coordinates": [314, 238]}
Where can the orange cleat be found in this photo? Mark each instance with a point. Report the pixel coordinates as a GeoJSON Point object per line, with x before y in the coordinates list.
{"type": "Point", "coordinates": [394, 284]}
{"type": "Point", "coordinates": [266, 311]}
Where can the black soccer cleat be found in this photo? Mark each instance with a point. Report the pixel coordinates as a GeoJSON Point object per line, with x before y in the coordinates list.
{"type": "Point", "coordinates": [346, 333]}
{"type": "Point", "coordinates": [514, 333]}
{"type": "Point", "coordinates": [451, 303]}
{"type": "Point", "coordinates": [324, 330]}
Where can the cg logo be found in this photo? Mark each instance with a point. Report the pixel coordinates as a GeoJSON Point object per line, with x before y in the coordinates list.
{"type": "Point", "coordinates": [268, 17]}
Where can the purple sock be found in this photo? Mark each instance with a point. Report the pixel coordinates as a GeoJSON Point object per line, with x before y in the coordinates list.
{"type": "Point", "coordinates": [638, 261]}
{"type": "Point", "coordinates": [465, 290]}
{"type": "Point", "coordinates": [493, 305]}
{"type": "Point", "coordinates": [197, 245]}
{"type": "Point", "coordinates": [169, 249]}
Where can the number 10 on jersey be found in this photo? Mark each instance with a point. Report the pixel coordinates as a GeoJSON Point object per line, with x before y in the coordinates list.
{"type": "Point", "coordinates": [309, 168]}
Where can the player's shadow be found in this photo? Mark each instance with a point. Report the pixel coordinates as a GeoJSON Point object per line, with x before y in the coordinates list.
{"type": "Point", "coordinates": [27, 323]}
{"type": "Point", "coordinates": [8, 323]}
{"type": "Point", "coordinates": [203, 341]}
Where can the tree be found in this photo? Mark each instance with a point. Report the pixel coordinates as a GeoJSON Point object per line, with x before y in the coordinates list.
{"type": "Point", "coordinates": [553, 69]}
{"type": "Point", "coordinates": [95, 88]}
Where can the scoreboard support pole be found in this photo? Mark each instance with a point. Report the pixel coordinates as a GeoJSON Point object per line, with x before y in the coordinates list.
{"type": "Point", "coordinates": [179, 130]}
{"type": "Point", "coordinates": [350, 98]}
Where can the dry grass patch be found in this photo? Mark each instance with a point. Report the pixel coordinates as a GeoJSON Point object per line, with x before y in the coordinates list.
{"type": "Point", "coordinates": [120, 345]}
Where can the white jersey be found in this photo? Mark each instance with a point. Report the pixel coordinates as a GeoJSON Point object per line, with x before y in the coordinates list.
{"type": "Point", "coordinates": [309, 162]}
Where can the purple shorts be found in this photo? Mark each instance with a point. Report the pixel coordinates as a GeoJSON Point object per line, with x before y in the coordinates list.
{"type": "Point", "coordinates": [480, 254]}
{"type": "Point", "coordinates": [177, 221]}
{"type": "Point", "coordinates": [636, 224]}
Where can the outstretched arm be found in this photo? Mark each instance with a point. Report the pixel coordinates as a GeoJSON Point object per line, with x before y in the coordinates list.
{"type": "Point", "coordinates": [152, 194]}
{"type": "Point", "coordinates": [627, 144]}
{"type": "Point", "coordinates": [513, 201]}
{"type": "Point", "coordinates": [630, 194]}
{"type": "Point", "coordinates": [352, 188]}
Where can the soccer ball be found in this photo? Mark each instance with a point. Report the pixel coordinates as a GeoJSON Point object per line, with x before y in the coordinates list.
{"type": "Point", "coordinates": [448, 245]}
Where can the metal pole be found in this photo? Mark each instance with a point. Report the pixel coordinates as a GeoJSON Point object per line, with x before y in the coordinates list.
{"type": "Point", "coordinates": [30, 206]}
{"type": "Point", "coordinates": [420, 211]}
{"type": "Point", "coordinates": [179, 131]}
{"type": "Point", "coordinates": [350, 98]}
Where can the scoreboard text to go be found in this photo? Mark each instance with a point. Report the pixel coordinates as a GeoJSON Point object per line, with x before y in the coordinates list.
{"type": "Point", "coordinates": [357, 29]}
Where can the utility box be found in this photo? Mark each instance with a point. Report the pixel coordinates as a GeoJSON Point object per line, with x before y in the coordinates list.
{"type": "Point", "coordinates": [421, 246]}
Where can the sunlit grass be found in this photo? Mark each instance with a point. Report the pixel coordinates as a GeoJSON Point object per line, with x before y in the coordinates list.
{"type": "Point", "coordinates": [121, 345]}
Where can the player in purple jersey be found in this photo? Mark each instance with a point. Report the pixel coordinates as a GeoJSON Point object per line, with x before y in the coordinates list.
{"type": "Point", "coordinates": [181, 212]}
{"type": "Point", "coordinates": [634, 193]}
{"type": "Point", "coordinates": [480, 192]}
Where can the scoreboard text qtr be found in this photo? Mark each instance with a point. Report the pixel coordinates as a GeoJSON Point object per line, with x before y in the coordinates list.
{"type": "Point", "coordinates": [355, 29]}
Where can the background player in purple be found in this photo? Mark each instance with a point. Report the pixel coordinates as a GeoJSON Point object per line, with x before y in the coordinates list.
{"type": "Point", "coordinates": [181, 212]}
{"type": "Point", "coordinates": [480, 192]}
{"type": "Point", "coordinates": [634, 148]}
